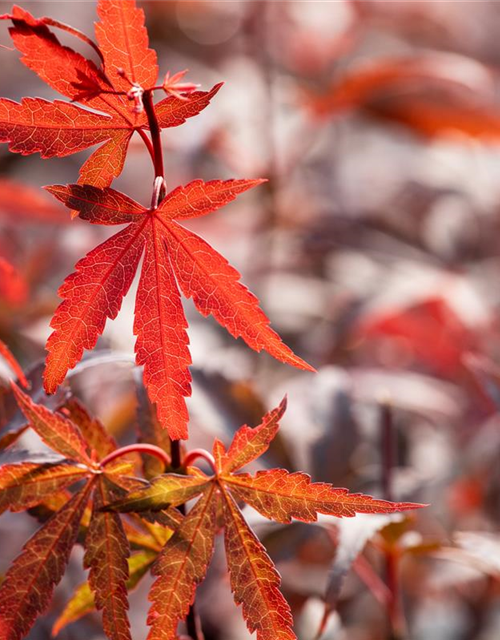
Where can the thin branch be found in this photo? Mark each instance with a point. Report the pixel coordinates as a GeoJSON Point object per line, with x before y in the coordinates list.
{"type": "Point", "coordinates": [151, 449]}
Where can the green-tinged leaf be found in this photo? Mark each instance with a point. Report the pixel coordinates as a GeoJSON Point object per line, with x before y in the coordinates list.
{"type": "Point", "coordinates": [83, 602]}
{"type": "Point", "coordinates": [164, 491]}
{"type": "Point", "coordinates": [27, 484]}
{"type": "Point", "coordinates": [249, 444]}
{"type": "Point", "coordinates": [281, 496]}
{"type": "Point", "coordinates": [28, 585]}
{"type": "Point", "coordinates": [254, 579]}
{"type": "Point", "coordinates": [106, 553]}
{"type": "Point", "coordinates": [181, 566]}
{"type": "Point", "coordinates": [57, 432]}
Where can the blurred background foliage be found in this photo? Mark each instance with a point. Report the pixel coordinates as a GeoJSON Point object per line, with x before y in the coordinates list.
{"type": "Point", "coordinates": [374, 251]}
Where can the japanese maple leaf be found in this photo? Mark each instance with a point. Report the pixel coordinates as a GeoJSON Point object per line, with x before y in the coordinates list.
{"type": "Point", "coordinates": [27, 588]}
{"type": "Point", "coordinates": [9, 358]}
{"type": "Point", "coordinates": [174, 257]}
{"type": "Point", "coordinates": [59, 128]}
{"type": "Point", "coordinates": [275, 493]}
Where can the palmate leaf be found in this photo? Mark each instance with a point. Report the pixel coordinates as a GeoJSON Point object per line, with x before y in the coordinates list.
{"type": "Point", "coordinates": [182, 566]}
{"type": "Point", "coordinates": [56, 431]}
{"type": "Point", "coordinates": [248, 444]}
{"type": "Point", "coordinates": [91, 428]}
{"type": "Point", "coordinates": [27, 484]}
{"type": "Point", "coordinates": [277, 494]}
{"type": "Point", "coordinates": [281, 496]}
{"type": "Point", "coordinates": [172, 255]}
{"type": "Point", "coordinates": [106, 553]}
{"type": "Point", "coordinates": [254, 579]}
{"type": "Point", "coordinates": [27, 588]}
{"type": "Point", "coordinates": [60, 129]}
{"type": "Point", "coordinates": [28, 585]}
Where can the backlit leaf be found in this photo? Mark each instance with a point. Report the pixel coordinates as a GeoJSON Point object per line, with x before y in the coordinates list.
{"type": "Point", "coordinates": [91, 428]}
{"type": "Point", "coordinates": [59, 128]}
{"type": "Point", "coordinates": [90, 295]}
{"type": "Point", "coordinates": [181, 566]}
{"type": "Point", "coordinates": [254, 579]}
{"type": "Point", "coordinates": [174, 256]}
{"type": "Point", "coordinates": [249, 444]}
{"type": "Point", "coordinates": [56, 431]}
{"type": "Point", "coordinates": [106, 553]}
{"type": "Point", "coordinates": [281, 496]}
{"type": "Point", "coordinates": [164, 491]}
{"type": "Point", "coordinates": [27, 588]}
{"type": "Point", "coordinates": [27, 484]}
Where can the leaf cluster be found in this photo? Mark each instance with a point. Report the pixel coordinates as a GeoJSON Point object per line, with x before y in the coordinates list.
{"type": "Point", "coordinates": [106, 488]}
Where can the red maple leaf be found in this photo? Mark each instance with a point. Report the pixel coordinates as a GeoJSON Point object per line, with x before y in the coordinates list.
{"type": "Point", "coordinates": [60, 128]}
{"type": "Point", "coordinates": [27, 588]}
{"type": "Point", "coordinates": [275, 493]}
{"type": "Point", "coordinates": [174, 257]}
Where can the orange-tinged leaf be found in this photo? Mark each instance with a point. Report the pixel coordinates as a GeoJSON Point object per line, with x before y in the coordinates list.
{"type": "Point", "coordinates": [82, 601]}
{"type": "Point", "coordinates": [172, 111]}
{"type": "Point", "coordinates": [280, 495]}
{"type": "Point", "coordinates": [98, 206]}
{"type": "Point", "coordinates": [56, 431]}
{"type": "Point", "coordinates": [123, 40]}
{"type": "Point", "coordinates": [106, 553]}
{"type": "Point", "coordinates": [6, 354]}
{"type": "Point", "coordinates": [167, 490]}
{"type": "Point", "coordinates": [92, 429]}
{"type": "Point", "coordinates": [213, 284]}
{"type": "Point", "coordinates": [442, 118]}
{"type": "Point", "coordinates": [91, 294]}
{"type": "Point", "coordinates": [199, 198]}
{"type": "Point", "coordinates": [80, 604]}
{"type": "Point", "coordinates": [254, 579]}
{"type": "Point", "coordinates": [386, 77]}
{"type": "Point", "coordinates": [27, 588]}
{"type": "Point", "coordinates": [249, 444]}
{"type": "Point", "coordinates": [181, 566]}
{"type": "Point", "coordinates": [27, 484]}
{"type": "Point", "coordinates": [106, 162]}
{"type": "Point", "coordinates": [162, 341]}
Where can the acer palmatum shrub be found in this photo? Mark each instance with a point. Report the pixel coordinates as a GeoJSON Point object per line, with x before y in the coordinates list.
{"type": "Point", "coordinates": [129, 519]}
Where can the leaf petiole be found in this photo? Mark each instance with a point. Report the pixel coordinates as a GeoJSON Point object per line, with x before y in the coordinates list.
{"type": "Point", "coordinates": [150, 449]}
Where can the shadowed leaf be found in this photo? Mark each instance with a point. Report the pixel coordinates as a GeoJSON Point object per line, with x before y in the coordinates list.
{"type": "Point", "coordinates": [57, 432]}
{"type": "Point", "coordinates": [181, 566]}
{"type": "Point", "coordinates": [106, 553]}
{"type": "Point", "coordinates": [28, 585]}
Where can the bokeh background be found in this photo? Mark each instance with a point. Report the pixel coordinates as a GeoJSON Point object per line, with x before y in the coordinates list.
{"type": "Point", "coordinates": [374, 249]}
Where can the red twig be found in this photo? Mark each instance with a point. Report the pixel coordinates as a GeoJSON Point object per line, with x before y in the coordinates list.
{"type": "Point", "coordinates": [199, 453]}
{"type": "Point", "coordinates": [151, 449]}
